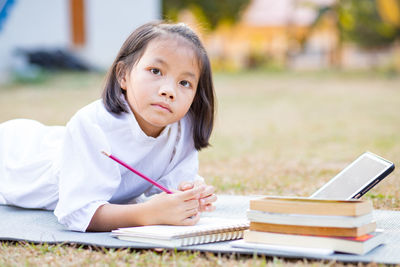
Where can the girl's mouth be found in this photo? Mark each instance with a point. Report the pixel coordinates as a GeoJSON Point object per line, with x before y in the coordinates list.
{"type": "Point", "coordinates": [164, 106]}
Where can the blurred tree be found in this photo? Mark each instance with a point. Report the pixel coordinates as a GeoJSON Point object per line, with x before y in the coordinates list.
{"type": "Point", "coordinates": [209, 12]}
{"type": "Point", "coordinates": [389, 10]}
{"type": "Point", "coordinates": [369, 23]}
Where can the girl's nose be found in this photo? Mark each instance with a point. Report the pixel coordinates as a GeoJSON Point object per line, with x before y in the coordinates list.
{"type": "Point", "coordinates": [167, 91]}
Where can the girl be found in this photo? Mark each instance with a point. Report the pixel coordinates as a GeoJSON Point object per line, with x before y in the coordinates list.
{"type": "Point", "coordinates": [157, 110]}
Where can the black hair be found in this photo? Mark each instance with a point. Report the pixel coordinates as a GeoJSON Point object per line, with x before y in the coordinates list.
{"type": "Point", "coordinates": [202, 110]}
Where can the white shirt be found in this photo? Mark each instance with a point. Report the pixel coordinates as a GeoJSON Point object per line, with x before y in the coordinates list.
{"type": "Point", "coordinates": [62, 168]}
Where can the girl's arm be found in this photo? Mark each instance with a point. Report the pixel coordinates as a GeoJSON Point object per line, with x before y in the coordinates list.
{"type": "Point", "coordinates": [180, 208]}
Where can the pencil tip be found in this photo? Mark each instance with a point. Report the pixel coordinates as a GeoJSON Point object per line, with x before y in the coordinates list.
{"type": "Point", "coordinates": [105, 153]}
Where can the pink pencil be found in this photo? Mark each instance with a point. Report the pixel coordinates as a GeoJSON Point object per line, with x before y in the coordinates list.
{"type": "Point", "coordinates": [138, 173]}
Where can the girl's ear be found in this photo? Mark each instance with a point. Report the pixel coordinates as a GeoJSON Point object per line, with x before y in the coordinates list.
{"type": "Point", "coordinates": [120, 74]}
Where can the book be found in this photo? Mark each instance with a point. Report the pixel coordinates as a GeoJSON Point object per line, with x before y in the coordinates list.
{"type": "Point", "coordinates": [314, 230]}
{"type": "Point", "coordinates": [282, 249]}
{"type": "Point", "coordinates": [301, 205]}
{"type": "Point", "coordinates": [207, 230]}
{"type": "Point", "coordinates": [309, 220]}
{"type": "Point", "coordinates": [354, 245]}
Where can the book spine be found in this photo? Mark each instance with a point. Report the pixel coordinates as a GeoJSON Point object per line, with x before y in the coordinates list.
{"type": "Point", "coordinates": [304, 241]}
{"type": "Point", "coordinates": [313, 230]}
{"type": "Point", "coordinates": [309, 220]}
{"type": "Point", "coordinates": [312, 208]}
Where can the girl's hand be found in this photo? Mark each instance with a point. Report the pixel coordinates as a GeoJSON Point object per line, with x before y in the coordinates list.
{"type": "Point", "coordinates": [179, 208]}
{"type": "Point", "coordinates": [207, 197]}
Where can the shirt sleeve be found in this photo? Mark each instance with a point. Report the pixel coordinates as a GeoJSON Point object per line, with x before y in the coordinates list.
{"type": "Point", "coordinates": [87, 178]}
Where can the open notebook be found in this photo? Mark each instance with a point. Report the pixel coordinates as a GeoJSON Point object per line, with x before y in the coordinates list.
{"type": "Point", "coordinates": [207, 230]}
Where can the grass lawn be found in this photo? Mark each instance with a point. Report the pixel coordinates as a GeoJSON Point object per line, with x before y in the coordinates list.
{"type": "Point", "coordinates": [275, 134]}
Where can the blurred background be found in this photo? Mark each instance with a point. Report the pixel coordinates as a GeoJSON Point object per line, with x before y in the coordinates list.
{"type": "Point", "coordinates": [238, 34]}
{"type": "Point", "coordinates": [303, 86]}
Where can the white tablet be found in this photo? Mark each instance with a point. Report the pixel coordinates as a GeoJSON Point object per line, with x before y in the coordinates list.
{"type": "Point", "coordinates": [357, 178]}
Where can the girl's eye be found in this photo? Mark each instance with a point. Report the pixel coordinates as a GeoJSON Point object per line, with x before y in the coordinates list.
{"type": "Point", "coordinates": [155, 71]}
{"type": "Point", "coordinates": [186, 84]}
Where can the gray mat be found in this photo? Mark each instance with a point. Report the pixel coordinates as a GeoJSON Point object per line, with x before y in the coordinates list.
{"type": "Point", "coordinates": [41, 226]}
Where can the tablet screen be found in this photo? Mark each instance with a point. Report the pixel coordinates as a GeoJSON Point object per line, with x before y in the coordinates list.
{"type": "Point", "coordinates": [358, 177]}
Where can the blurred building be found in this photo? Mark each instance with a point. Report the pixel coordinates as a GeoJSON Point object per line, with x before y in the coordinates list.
{"type": "Point", "coordinates": [92, 29]}
{"type": "Point", "coordinates": [277, 33]}
{"type": "Point", "coordinates": [287, 34]}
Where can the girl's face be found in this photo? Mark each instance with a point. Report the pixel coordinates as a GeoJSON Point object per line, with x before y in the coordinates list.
{"type": "Point", "coordinates": [161, 86]}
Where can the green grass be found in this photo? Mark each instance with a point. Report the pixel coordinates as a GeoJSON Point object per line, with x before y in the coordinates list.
{"type": "Point", "coordinates": [289, 134]}
{"type": "Point", "coordinates": [275, 134]}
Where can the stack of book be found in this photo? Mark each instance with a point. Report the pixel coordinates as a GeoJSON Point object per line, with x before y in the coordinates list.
{"type": "Point", "coordinates": [339, 225]}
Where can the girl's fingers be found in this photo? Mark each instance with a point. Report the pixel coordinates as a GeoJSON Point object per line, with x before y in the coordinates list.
{"type": "Point", "coordinates": [208, 208]}
{"type": "Point", "coordinates": [209, 190]}
{"type": "Point", "coordinates": [208, 200]}
{"type": "Point", "coordinates": [192, 193]}
{"type": "Point", "coordinates": [191, 204]}
{"type": "Point", "coordinates": [190, 212]}
{"type": "Point", "coordinates": [191, 220]}
{"type": "Point", "coordinates": [186, 186]}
